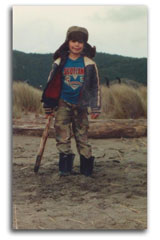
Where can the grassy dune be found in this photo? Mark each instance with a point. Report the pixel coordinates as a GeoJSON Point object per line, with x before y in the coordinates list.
{"type": "Point", "coordinates": [26, 99]}
{"type": "Point", "coordinates": [118, 101]}
{"type": "Point", "coordinates": [122, 101]}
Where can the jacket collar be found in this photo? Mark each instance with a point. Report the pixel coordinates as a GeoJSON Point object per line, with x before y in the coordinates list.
{"type": "Point", "coordinates": [87, 61]}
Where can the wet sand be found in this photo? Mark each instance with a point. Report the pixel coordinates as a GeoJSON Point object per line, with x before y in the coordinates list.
{"type": "Point", "coordinates": [114, 198]}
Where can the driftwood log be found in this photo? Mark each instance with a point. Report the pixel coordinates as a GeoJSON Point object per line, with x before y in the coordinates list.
{"type": "Point", "coordinates": [116, 128]}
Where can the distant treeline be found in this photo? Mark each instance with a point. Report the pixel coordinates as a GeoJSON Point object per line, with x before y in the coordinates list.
{"type": "Point", "coordinates": [34, 68]}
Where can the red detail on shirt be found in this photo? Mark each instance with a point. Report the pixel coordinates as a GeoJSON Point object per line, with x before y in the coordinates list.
{"type": "Point", "coordinates": [73, 70]}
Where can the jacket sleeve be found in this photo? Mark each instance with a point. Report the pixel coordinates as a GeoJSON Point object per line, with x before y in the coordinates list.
{"type": "Point", "coordinates": [52, 73]}
{"type": "Point", "coordinates": [53, 69]}
{"type": "Point", "coordinates": [95, 100]}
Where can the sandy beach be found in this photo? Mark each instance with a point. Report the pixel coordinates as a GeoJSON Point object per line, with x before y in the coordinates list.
{"type": "Point", "coordinates": [115, 197]}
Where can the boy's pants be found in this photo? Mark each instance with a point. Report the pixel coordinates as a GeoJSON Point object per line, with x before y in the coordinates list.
{"type": "Point", "coordinates": [68, 115]}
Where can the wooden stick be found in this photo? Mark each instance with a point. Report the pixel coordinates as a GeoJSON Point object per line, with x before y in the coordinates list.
{"type": "Point", "coordinates": [52, 219]}
{"type": "Point", "coordinates": [132, 209]}
{"type": "Point", "coordinates": [119, 155]}
{"type": "Point", "coordinates": [42, 144]}
{"type": "Point", "coordinates": [138, 221]}
{"type": "Point", "coordinates": [24, 168]}
{"type": "Point", "coordinates": [144, 143]}
{"type": "Point", "coordinates": [75, 220]}
{"type": "Point", "coordinates": [15, 215]}
{"type": "Point", "coordinates": [41, 227]}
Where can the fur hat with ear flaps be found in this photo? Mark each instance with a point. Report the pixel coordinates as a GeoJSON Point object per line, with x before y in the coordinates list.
{"type": "Point", "coordinates": [78, 34]}
{"type": "Point", "coordinates": [73, 31]}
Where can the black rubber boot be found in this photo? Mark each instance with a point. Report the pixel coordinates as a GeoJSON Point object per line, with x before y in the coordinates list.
{"type": "Point", "coordinates": [65, 164]}
{"type": "Point", "coordinates": [82, 164]}
{"type": "Point", "coordinates": [86, 165]}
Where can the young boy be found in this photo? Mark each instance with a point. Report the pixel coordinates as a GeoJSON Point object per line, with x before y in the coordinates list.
{"type": "Point", "coordinates": [73, 86]}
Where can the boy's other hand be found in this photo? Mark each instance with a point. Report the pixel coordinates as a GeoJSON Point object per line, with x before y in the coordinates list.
{"type": "Point", "coordinates": [94, 115]}
{"type": "Point", "coordinates": [49, 114]}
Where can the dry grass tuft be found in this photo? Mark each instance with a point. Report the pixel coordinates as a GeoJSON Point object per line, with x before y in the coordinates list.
{"type": "Point", "coordinates": [122, 101]}
{"type": "Point", "coordinates": [26, 99]}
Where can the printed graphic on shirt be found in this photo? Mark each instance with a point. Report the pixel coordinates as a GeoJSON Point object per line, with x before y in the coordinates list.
{"type": "Point", "coordinates": [74, 76]}
{"type": "Point", "coordinates": [72, 80]}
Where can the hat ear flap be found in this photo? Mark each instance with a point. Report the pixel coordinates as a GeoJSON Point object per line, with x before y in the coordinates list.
{"type": "Point", "coordinates": [62, 51]}
{"type": "Point", "coordinates": [89, 51]}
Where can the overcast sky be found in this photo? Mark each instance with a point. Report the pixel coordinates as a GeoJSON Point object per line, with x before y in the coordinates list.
{"type": "Point", "coordinates": [112, 29]}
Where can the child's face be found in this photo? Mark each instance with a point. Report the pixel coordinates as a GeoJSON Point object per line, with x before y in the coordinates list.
{"type": "Point", "coordinates": [76, 47]}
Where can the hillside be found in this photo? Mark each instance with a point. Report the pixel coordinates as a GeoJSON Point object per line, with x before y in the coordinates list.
{"type": "Point", "coordinates": [34, 68]}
